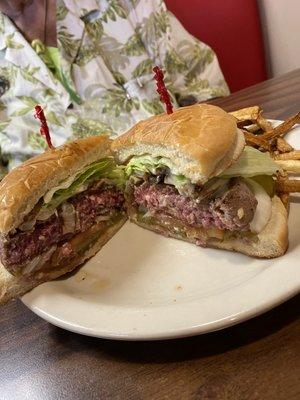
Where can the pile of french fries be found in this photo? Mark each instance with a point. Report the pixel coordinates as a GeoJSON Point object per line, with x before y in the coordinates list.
{"type": "Point", "coordinates": [260, 133]}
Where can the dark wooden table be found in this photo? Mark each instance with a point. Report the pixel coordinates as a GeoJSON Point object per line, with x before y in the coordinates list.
{"type": "Point", "coordinates": [254, 360]}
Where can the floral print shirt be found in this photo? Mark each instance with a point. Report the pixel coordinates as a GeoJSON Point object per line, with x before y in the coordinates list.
{"type": "Point", "coordinates": [99, 80]}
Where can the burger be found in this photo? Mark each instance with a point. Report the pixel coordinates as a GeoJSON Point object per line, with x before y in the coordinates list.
{"type": "Point", "coordinates": [56, 211]}
{"type": "Point", "coordinates": [190, 176]}
{"type": "Point", "coordinates": [186, 175]}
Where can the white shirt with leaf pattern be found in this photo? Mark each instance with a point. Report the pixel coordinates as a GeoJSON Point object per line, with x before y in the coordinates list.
{"type": "Point", "coordinates": [107, 50]}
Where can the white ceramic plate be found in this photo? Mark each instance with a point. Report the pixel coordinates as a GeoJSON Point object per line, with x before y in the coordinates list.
{"type": "Point", "coordinates": [145, 286]}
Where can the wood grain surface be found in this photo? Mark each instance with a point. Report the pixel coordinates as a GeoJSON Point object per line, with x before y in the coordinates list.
{"type": "Point", "coordinates": [258, 359]}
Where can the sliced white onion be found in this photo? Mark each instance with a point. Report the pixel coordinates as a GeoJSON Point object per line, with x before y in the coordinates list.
{"type": "Point", "coordinates": [28, 225]}
{"type": "Point", "coordinates": [45, 214]}
{"type": "Point", "coordinates": [68, 214]}
{"type": "Point", "coordinates": [31, 266]}
{"type": "Point", "coordinates": [263, 210]}
{"type": "Point", "coordinates": [38, 261]}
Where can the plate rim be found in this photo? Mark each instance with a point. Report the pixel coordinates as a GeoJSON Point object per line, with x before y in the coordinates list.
{"type": "Point", "coordinates": [230, 320]}
{"type": "Point", "coordinates": [201, 329]}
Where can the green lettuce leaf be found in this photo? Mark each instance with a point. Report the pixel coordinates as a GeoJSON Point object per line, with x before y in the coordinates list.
{"type": "Point", "coordinates": [103, 169]}
{"type": "Point", "coordinates": [139, 165]}
{"type": "Point", "coordinates": [251, 163]}
{"type": "Point", "coordinates": [267, 182]}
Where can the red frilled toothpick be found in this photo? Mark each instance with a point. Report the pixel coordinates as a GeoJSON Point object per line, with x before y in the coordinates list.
{"type": "Point", "coordinates": [44, 130]}
{"type": "Point", "coordinates": [162, 90]}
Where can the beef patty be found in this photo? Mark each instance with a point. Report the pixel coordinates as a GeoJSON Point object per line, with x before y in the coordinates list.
{"type": "Point", "coordinates": [233, 210]}
{"type": "Point", "coordinates": [85, 209]}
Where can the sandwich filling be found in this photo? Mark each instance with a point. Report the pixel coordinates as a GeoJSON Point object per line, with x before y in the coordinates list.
{"type": "Point", "coordinates": [67, 220]}
{"type": "Point", "coordinates": [236, 203]}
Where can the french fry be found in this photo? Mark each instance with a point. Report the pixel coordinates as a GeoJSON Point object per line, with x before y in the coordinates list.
{"type": "Point", "coordinates": [291, 166]}
{"type": "Point", "coordinates": [260, 134]}
{"type": "Point", "coordinates": [287, 186]}
{"type": "Point", "coordinates": [283, 146]}
{"type": "Point", "coordinates": [256, 141]}
{"type": "Point", "coordinates": [252, 115]}
{"type": "Point", "coordinates": [264, 123]}
{"type": "Point", "coordinates": [285, 198]}
{"type": "Point", "coordinates": [292, 155]}
{"type": "Point", "coordinates": [283, 128]}
{"type": "Point", "coordinates": [246, 114]}
{"type": "Point", "coordinates": [282, 175]}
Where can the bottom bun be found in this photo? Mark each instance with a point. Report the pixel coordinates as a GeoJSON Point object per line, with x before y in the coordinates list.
{"type": "Point", "coordinates": [270, 243]}
{"type": "Point", "coordinates": [12, 287]}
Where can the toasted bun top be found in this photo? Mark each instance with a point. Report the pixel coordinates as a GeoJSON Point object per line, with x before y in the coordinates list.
{"type": "Point", "coordinates": [201, 141]}
{"type": "Point", "coordinates": [22, 188]}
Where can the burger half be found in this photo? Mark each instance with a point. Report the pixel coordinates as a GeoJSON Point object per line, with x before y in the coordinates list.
{"type": "Point", "coordinates": [56, 211]}
{"type": "Point", "coordinates": [190, 176]}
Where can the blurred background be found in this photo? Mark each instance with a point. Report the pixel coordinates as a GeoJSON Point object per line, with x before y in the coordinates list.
{"type": "Point", "coordinates": [253, 39]}
{"type": "Point", "coordinates": [89, 63]}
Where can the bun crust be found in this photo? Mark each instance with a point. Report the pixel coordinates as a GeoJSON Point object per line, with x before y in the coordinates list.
{"type": "Point", "coordinates": [201, 140]}
{"type": "Point", "coordinates": [22, 188]}
{"type": "Point", "coordinates": [270, 243]}
{"type": "Point", "coordinates": [12, 287]}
